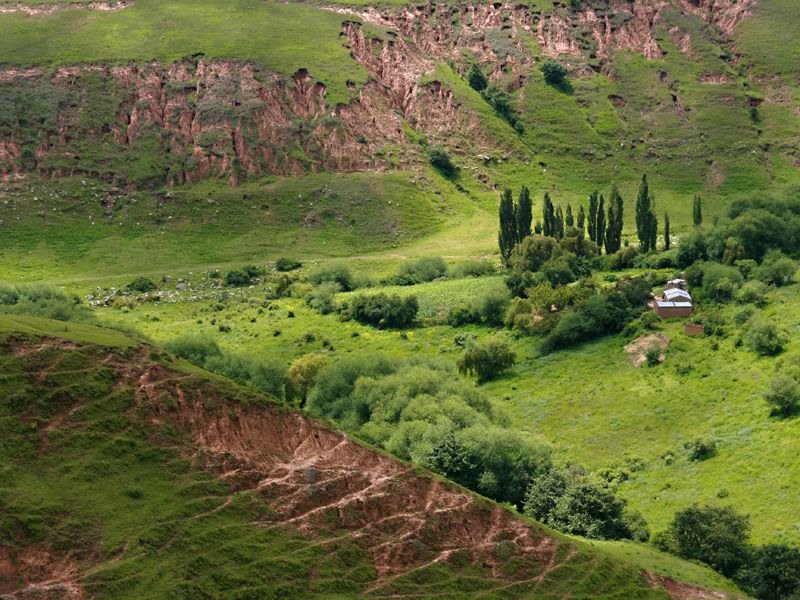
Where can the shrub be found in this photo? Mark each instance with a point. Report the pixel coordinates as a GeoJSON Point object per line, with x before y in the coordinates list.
{"type": "Point", "coordinates": [440, 159]}
{"type": "Point", "coordinates": [519, 281]}
{"type": "Point", "coordinates": [783, 395]}
{"type": "Point", "coordinates": [426, 268]}
{"type": "Point", "coordinates": [237, 278]}
{"type": "Point", "coordinates": [554, 72]}
{"type": "Point", "coordinates": [323, 297]}
{"type": "Point", "coordinates": [463, 315]}
{"type": "Point", "coordinates": [764, 337]}
{"type": "Point", "coordinates": [701, 448]}
{"type": "Point", "coordinates": [533, 252]}
{"type": "Point", "coordinates": [492, 306]}
{"type": "Point", "coordinates": [476, 78]}
{"type": "Point", "coordinates": [720, 281]}
{"type": "Point", "coordinates": [623, 258]}
{"type": "Point", "coordinates": [486, 362]}
{"type": "Point", "coordinates": [560, 270]}
{"type": "Point", "coordinates": [713, 535]}
{"type": "Point", "coordinates": [691, 249]}
{"type": "Point", "coordinates": [333, 272]}
{"type": "Point", "coordinates": [474, 268]}
{"type": "Point", "coordinates": [776, 269]}
{"type": "Point", "coordinates": [653, 355]}
{"type": "Point", "coordinates": [41, 300]}
{"type": "Point", "coordinates": [142, 285]}
{"type": "Point", "coordinates": [382, 310]}
{"type": "Point", "coordinates": [287, 264]}
{"type": "Point", "coordinates": [752, 292]}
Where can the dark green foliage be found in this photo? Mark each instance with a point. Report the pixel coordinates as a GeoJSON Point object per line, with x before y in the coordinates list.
{"type": "Point", "coordinates": [653, 355]}
{"type": "Point", "coordinates": [519, 281]}
{"type": "Point", "coordinates": [476, 78]}
{"type": "Point", "coordinates": [524, 214]}
{"type": "Point", "coordinates": [776, 269]}
{"type": "Point", "coordinates": [500, 101]}
{"type": "Point", "coordinates": [323, 297]}
{"type": "Point", "coordinates": [623, 258]}
{"type": "Point", "coordinates": [440, 159]}
{"type": "Point", "coordinates": [420, 270]}
{"type": "Point", "coordinates": [549, 226]}
{"type": "Point", "coordinates": [697, 211]}
{"type": "Point", "coordinates": [194, 348]}
{"type": "Point", "coordinates": [569, 220]}
{"type": "Point", "coordinates": [773, 572]}
{"type": "Point", "coordinates": [692, 248]}
{"type": "Point", "coordinates": [382, 310]}
{"type": "Point", "coordinates": [646, 222]}
{"type": "Point", "coordinates": [554, 72]}
{"type": "Point", "coordinates": [333, 272]}
{"type": "Point", "coordinates": [702, 448]}
{"type": "Point", "coordinates": [142, 285]}
{"type": "Point", "coordinates": [581, 220]}
{"type": "Point", "coordinates": [474, 268]}
{"type": "Point", "coordinates": [490, 308]}
{"type": "Point", "coordinates": [287, 264]}
{"type": "Point", "coordinates": [561, 270]}
{"type": "Point", "coordinates": [717, 536]}
{"type": "Point", "coordinates": [507, 237]}
{"type": "Point", "coordinates": [237, 278]}
{"type": "Point", "coordinates": [614, 224]}
{"type": "Point", "coordinates": [570, 502]}
{"type": "Point", "coordinates": [600, 231]}
{"type": "Point", "coordinates": [783, 395]}
{"type": "Point", "coordinates": [486, 362]}
{"type": "Point", "coordinates": [666, 232]}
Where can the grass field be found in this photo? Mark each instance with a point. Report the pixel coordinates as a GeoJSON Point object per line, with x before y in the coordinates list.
{"type": "Point", "coordinates": [589, 402]}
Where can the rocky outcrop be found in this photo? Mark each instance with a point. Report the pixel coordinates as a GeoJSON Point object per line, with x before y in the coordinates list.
{"type": "Point", "coordinates": [45, 8]}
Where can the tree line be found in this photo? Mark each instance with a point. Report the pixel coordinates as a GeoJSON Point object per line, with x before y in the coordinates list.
{"type": "Point", "coordinates": [602, 222]}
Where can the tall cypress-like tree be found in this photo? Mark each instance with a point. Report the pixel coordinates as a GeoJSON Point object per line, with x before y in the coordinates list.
{"type": "Point", "coordinates": [537, 229]}
{"type": "Point", "coordinates": [569, 221]}
{"type": "Point", "coordinates": [613, 237]}
{"type": "Point", "coordinates": [601, 222]}
{"type": "Point", "coordinates": [581, 222]}
{"type": "Point", "coordinates": [524, 214]}
{"type": "Point", "coordinates": [697, 211]}
{"type": "Point", "coordinates": [646, 221]}
{"type": "Point", "coordinates": [559, 223]}
{"type": "Point", "coordinates": [548, 216]}
{"type": "Point", "coordinates": [508, 227]}
{"type": "Point", "coordinates": [666, 232]}
{"type": "Point", "coordinates": [593, 216]}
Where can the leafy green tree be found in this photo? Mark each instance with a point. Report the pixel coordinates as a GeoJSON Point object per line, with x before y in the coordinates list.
{"type": "Point", "coordinates": [601, 221]}
{"type": "Point", "coordinates": [476, 78]}
{"type": "Point", "coordinates": [302, 376]}
{"type": "Point", "coordinates": [548, 217]}
{"type": "Point", "coordinates": [666, 232]}
{"type": "Point", "coordinates": [533, 252]}
{"type": "Point", "coordinates": [554, 72]}
{"type": "Point", "coordinates": [524, 214]}
{"type": "Point", "coordinates": [697, 211]}
{"type": "Point", "coordinates": [773, 572]}
{"type": "Point", "coordinates": [508, 226]}
{"type": "Point", "coordinates": [592, 218]}
{"type": "Point", "coordinates": [783, 395]}
{"type": "Point", "coordinates": [717, 536]}
{"type": "Point", "coordinates": [646, 222]}
{"type": "Point", "coordinates": [486, 362]}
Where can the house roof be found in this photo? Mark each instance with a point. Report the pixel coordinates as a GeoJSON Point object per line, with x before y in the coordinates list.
{"type": "Point", "coordinates": [673, 293]}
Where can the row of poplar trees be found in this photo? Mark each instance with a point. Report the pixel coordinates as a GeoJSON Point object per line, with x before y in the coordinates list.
{"type": "Point", "coordinates": [603, 225]}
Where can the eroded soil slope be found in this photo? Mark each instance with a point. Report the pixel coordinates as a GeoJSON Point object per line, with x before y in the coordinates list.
{"type": "Point", "coordinates": [414, 530]}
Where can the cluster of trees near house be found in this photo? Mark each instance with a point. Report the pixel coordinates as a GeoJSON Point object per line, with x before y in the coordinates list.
{"type": "Point", "coordinates": [601, 222]}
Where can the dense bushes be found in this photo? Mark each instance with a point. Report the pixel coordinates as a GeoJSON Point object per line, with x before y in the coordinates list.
{"type": "Point", "coordinates": [411, 272]}
{"type": "Point", "coordinates": [783, 394]}
{"type": "Point", "coordinates": [382, 310]}
{"type": "Point", "coordinates": [569, 501]}
{"type": "Point", "coordinates": [287, 264]}
{"type": "Point", "coordinates": [44, 301]}
{"type": "Point", "coordinates": [265, 376]}
{"type": "Point", "coordinates": [142, 285]}
{"type": "Point", "coordinates": [323, 297]}
{"type": "Point", "coordinates": [489, 308]}
{"type": "Point", "coordinates": [335, 273]}
{"type": "Point", "coordinates": [441, 160]}
{"type": "Point", "coordinates": [764, 337]}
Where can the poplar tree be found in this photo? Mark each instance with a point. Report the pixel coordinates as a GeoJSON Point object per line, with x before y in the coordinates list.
{"type": "Point", "coordinates": [613, 237]}
{"type": "Point", "coordinates": [666, 231]}
{"type": "Point", "coordinates": [508, 227]}
{"type": "Point", "coordinates": [581, 222]}
{"type": "Point", "coordinates": [593, 216]}
{"type": "Point", "coordinates": [548, 216]}
{"type": "Point", "coordinates": [559, 223]}
{"type": "Point", "coordinates": [697, 211]}
{"type": "Point", "coordinates": [524, 214]}
{"type": "Point", "coordinates": [569, 221]}
{"type": "Point", "coordinates": [601, 222]}
{"type": "Point", "coordinates": [646, 221]}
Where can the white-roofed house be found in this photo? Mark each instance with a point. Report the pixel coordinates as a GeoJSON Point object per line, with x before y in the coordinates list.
{"type": "Point", "coordinates": [674, 302]}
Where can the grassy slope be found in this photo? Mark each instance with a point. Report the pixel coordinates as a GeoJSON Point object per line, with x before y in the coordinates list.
{"type": "Point", "coordinates": [589, 402]}
{"type": "Point", "coordinates": [105, 488]}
